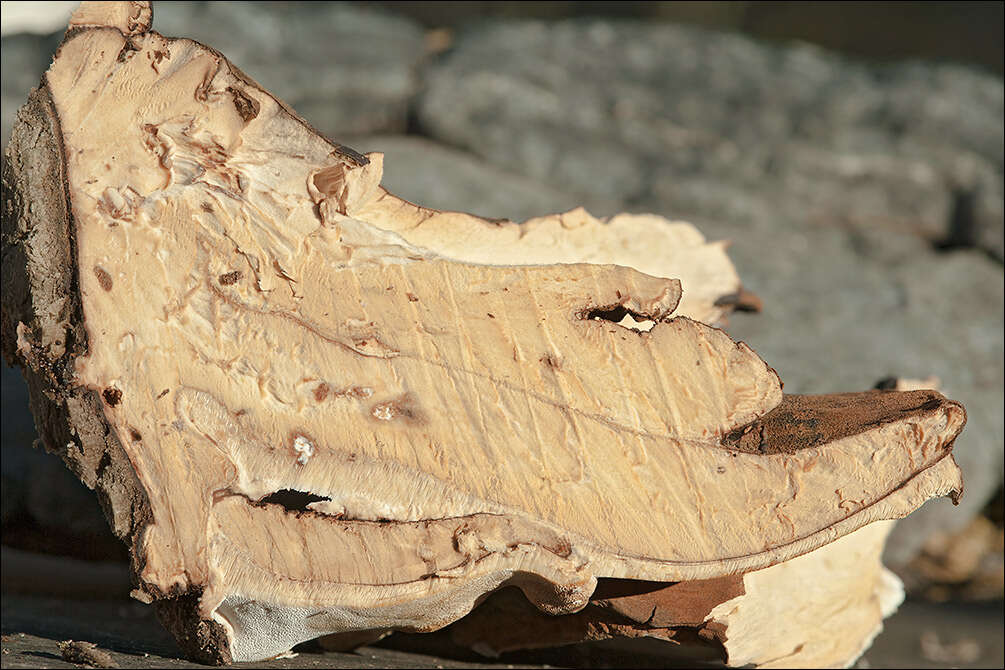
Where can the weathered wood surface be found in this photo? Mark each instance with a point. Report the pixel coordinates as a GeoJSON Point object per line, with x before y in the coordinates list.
{"type": "Point", "coordinates": [312, 407]}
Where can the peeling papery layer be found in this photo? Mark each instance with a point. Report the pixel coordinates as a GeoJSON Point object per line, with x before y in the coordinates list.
{"type": "Point", "coordinates": [768, 631]}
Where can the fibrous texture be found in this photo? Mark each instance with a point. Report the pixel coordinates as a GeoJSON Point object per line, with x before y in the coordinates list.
{"type": "Point", "coordinates": [312, 407]}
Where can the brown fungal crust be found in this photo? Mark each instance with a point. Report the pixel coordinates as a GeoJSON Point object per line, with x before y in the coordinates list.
{"type": "Point", "coordinates": [112, 396]}
{"type": "Point", "coordinates": [806, 421]}
{"type": "Point", "coordinates": [228, 278]}
{"type": "Point", "coordinates": [104, 279]}
{"type": "Point", "coordinates": [321, 392]}
{"type": "Point", "coordinates": [405, 407]}
{"type": "Point", "coordinates": [246, 106]}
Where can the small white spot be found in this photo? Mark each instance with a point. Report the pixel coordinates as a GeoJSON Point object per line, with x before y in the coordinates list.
{"type": "Point", "coordinates": [384, 411]}
{"type": "Point", "coordinates": [304, 449]}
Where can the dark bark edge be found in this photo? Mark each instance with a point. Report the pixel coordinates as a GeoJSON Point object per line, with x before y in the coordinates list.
{"type": "Point", "coordinates": [42, 331]}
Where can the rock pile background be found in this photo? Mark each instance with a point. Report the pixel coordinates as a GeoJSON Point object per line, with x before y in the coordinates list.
{"type": "Point", "coordinates": [864, 201]}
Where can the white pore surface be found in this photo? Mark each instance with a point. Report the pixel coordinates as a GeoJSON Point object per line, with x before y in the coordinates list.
{"type": "Point", "coordinates": [261, 630]}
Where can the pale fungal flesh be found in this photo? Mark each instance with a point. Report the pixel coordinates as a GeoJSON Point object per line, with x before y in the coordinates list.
{"type": "Point", "coordinates": [248, 312]}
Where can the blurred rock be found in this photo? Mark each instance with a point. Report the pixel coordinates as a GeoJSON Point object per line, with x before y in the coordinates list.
{"type": "Point", "coordinates": [967, 650]}
{"type": "Point", "coordinates": [25, 58]}
{"type": "Point", "coordinates": [639, 111]}
{"type": "Point", "coordinates": [967, 564]}
{"type": "Point", "coordinates": [880, 31]}
{"type": "Point", "coordinates": [845, 306]}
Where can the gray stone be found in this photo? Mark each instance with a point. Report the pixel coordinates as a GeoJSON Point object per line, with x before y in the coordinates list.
{"type": "Point", "coordinates": [622, 109]}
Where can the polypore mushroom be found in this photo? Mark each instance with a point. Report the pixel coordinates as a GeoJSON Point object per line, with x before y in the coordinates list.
{"type": "Point", "coordinates": [311, 407]}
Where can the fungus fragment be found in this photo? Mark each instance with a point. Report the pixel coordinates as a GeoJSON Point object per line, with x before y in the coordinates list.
{"type": "Point", "coordinates": [485, 419]}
